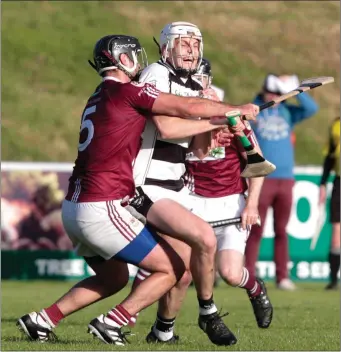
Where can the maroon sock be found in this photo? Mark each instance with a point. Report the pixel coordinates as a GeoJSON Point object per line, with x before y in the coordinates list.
{"type": "Point", "coordinates": [250, 283]}
{"type": "Point", "coordinates": [53, 313]}
{"type": "Point", "coordinates": [119, 316]}
{"type": "Point", "coordinates": [141, 275]}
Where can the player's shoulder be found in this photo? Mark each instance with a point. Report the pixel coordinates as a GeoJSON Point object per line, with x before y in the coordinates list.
{"type": "Point", "coordinates": [154, 73]}
{"type": "Point", "coordinates": [156, 68]}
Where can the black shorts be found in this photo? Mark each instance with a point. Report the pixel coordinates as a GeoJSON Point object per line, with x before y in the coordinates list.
{"type": "Point", "coordinates": [335, 202]}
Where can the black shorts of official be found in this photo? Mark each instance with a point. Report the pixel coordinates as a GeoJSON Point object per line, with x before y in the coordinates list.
{"type": "Point", "coordinates": [335, 202]}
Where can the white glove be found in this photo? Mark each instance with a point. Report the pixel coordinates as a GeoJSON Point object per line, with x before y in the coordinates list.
{"type": "Point", "coordinates": [136, 214]}
{"type": "Point", "coordinates": [287, 83]}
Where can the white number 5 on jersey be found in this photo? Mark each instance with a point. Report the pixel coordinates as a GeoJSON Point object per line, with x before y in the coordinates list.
{"type": "Point", "coordinates": [87, 124]}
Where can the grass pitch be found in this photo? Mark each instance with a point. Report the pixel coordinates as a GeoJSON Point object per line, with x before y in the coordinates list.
{"type": "Point", "coordinates": [307, 319]}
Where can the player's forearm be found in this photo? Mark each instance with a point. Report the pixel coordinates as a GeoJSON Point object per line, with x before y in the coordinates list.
{"type": "Point", "coordinates": [327, 167]}
{"type": "Point", "coordinates": [174, 127]}
{"type": "Point", "coordinates": [189, 107]}
{"type": "Point", "coordinates": [207, 108]}
{"type": "Point", "coordinates": [255, 187]}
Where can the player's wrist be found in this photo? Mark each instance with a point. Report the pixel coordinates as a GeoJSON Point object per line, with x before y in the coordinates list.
{"type": "Point", "coordinates": [252, 201]}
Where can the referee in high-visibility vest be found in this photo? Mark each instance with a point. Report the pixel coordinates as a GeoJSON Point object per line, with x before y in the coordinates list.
{"type": "Point", "coordinates": [332, 162]}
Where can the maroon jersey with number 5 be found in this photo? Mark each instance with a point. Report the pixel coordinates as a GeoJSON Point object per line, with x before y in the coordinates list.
{"type": "Point", "coordinates": [109, 140]}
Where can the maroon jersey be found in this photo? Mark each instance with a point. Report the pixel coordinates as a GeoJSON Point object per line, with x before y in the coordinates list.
{"type": "Point", "coordinates": [109, 140]}
{"type": "Point", "coordinates": [218, 175]}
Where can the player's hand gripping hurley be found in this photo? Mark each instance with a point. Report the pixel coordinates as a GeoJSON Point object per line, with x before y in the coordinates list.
{"type": "Point", "coordinates": [256, 166]}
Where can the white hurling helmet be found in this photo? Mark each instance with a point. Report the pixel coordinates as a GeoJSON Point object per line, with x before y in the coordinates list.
{"type": "Point", "coordinates": [178, 30]}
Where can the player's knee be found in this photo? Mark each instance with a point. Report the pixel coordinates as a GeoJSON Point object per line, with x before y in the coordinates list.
{"type": "Point", "coordinates": [210, 241]}
{"type": "Point", "coordinates": [231, 275]}
{"type": "Point", "coordinates": [206, 239]}
{"type": "Point", "coordinates": [110, 285]}
{"type": "Point", "coordinates": [186, 279]}
{"type": "Point", "coordinates": [113, 287]}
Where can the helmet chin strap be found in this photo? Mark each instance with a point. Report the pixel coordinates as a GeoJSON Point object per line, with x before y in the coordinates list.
{"type": "Point", "coordinates": [158, 45]}
{"type": "Point", "coordinates": [128, 72]}
{"type": "Point", "coordinates": [185, 72]}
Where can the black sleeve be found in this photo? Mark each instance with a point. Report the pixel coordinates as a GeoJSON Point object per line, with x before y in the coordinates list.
{"type": "Point", "coordinates": [327, 167]}
{"type": "Point", "coordinates": [329, 160]}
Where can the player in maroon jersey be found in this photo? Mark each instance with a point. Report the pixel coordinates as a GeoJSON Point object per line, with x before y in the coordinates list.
{"type": "Point", "coordinates": [100, 227]}
{"type": "Point", "coordinates": [214, 177]}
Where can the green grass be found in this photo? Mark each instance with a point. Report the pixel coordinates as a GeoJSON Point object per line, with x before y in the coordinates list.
{"type": "Point", "coordinates": [304, 320]}
{"type": "Point", "coordinates": [46, 78]}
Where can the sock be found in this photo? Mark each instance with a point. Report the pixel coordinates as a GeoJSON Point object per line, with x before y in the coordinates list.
{"type": "Point", "coordinates": [207, 306]}
{"type": "Point", "coordinates": [141, 275]}
{"type": "Point", "coordinates": [117, 317]}
{"type": "Point", "coordinates": [133, 320]}
{"type": "Point", "coordinates": [334, 263]}
{"type": "Point", "coordinates": [250, 283]}
{"type": "Point", "coordinates": [163, 328]}
{"type": "Point", "coordinates": [52, 315]}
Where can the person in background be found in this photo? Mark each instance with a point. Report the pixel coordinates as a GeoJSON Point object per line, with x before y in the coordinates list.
{"type": "Point", "coordinates": [273, 131]}
{"type": "Point", "coordinates": [332, 162]}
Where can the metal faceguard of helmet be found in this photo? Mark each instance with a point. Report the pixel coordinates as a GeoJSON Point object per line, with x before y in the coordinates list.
{"type": "Point", "coordinates": [204, 73]}
{"type": "Point", "coordinates": [179, 30]}
{"type": "Point", "coordinates": [108, 50]}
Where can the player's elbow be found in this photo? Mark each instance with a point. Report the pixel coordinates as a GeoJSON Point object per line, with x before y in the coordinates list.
{"type": "Point", "coordinates": [165, 130]}
{"type": "Point", "coordinates": [165, 134]}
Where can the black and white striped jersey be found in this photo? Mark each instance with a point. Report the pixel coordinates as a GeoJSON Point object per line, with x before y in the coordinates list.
{"type": "Point", "coordinates": [161, 162]}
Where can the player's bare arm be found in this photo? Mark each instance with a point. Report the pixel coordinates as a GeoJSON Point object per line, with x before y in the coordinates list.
{"type": "Point", "coordinates": [250, 213]}
{"type": "Point", "coordinates": [190, 107]}
{"type": "Point", "coordinates": [171, 127]}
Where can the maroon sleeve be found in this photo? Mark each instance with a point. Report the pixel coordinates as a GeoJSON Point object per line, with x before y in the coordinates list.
{"type": "Point", "coordinates": [250, 136]}
{"type": "Point", "coordinates": [141, 95]}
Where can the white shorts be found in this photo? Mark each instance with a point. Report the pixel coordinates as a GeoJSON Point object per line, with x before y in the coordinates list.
{"type": "Point", "coordinates": [156, 193]}
{"type": "Point", "coordinates": [108, 230]}
{"type": "Point", "coordinates": [216, 209]}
